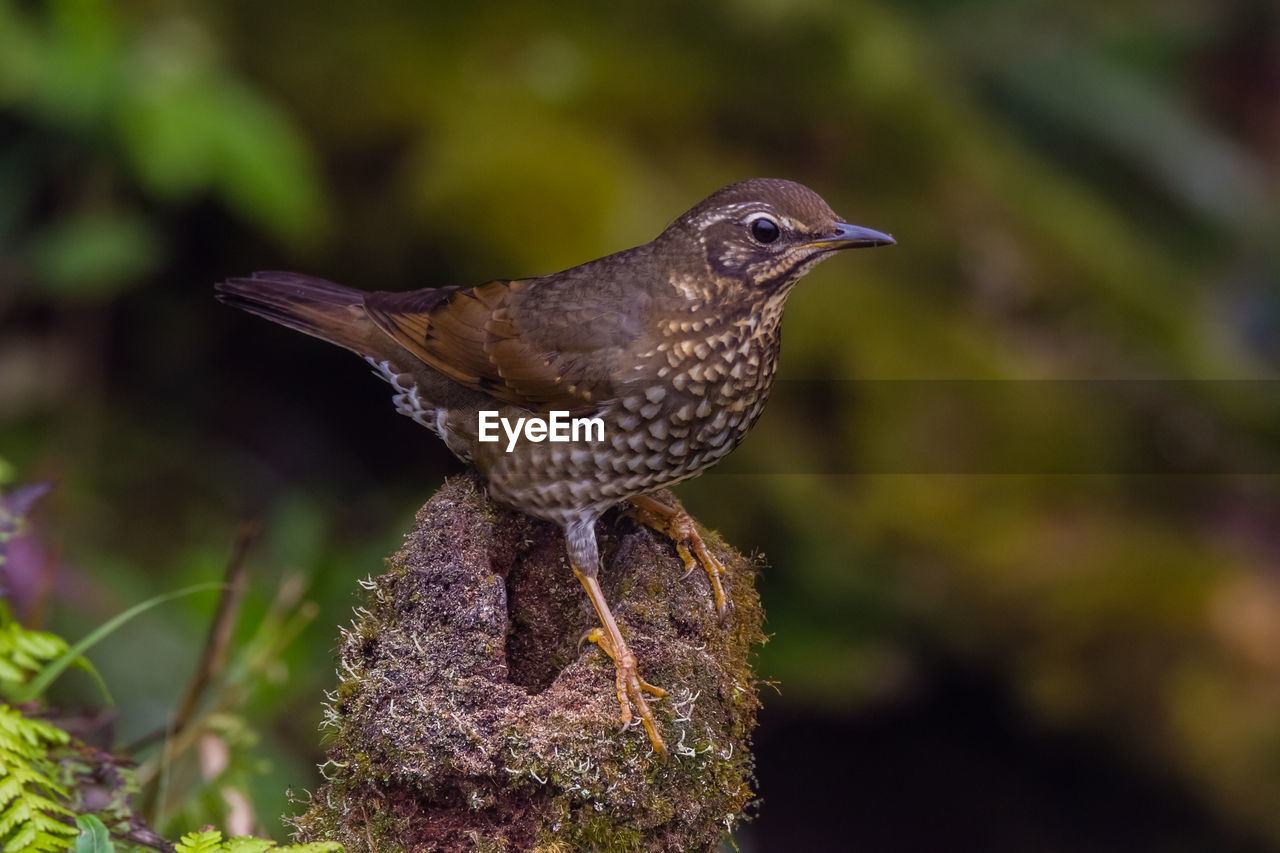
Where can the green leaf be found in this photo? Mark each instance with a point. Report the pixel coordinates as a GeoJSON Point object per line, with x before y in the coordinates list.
{"type": "Point", "coordinates": [21, 54]}
{"type": "Point", "coordinates": [84, 665]}
{"type": "Point", "coordinates": [210, 841]}
{"type": "Point", "coordinates": [93, 837]}
{"type": "Point", "coordinates": [265, 171]}
{"type": "Point", "coordinates": [207, 841]}
{"type": "Point", "coordinates": [47, 675]}
{"type": "Point", "coordinates": [23, 652]}
{"type": "Point", "coordinates": [81, 67]}
{"type": "Point", "coordinates": [31, 820]}
{"type": "Point", "coordinates": [204, 132]}
{"type": "Point", "coordinates": [94, 254]}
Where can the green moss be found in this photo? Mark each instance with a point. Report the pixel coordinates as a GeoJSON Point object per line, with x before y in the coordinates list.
{"type": "Point", "coordinates": [602, 834]}
{"type": "Point", "coordinates": [441, 745]}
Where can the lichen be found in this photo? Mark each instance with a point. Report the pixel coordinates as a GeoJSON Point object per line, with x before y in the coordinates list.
{"type": "Point", "coordinates": [471, 716]}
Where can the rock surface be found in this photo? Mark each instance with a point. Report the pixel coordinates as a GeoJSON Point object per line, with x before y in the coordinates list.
{"type": "Point", "coordinates": [470, 717]}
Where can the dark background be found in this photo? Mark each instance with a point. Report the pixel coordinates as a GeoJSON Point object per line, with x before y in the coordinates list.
{"type": "Point", "coordinates": [1040, 614]}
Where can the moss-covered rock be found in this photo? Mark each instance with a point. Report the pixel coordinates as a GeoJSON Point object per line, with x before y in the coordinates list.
{"type": "Point", "coordinates": [470, 716]}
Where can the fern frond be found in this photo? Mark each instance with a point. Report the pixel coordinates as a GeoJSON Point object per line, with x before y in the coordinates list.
{"type": "Point", "coordinates": [24, 652]}
{"type": "Point", "coordinates": [205, 841]}
{"type": "Point", "coordinates": [32, 820]}
{"type": "Point", "coordinates": [25, 839]}
{"type": "Point", "coordinates": [31, 738]}
{"type": "Point", "coordinates": [56, 838]}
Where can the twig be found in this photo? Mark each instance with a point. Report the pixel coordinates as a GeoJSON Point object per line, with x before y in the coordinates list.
{"type": "Point", "coordinates": [218, 640]}
{"type": "Point", "coordinates": [212, 659]}
{"type": "Point", "coordinates": [135, 834]}
{"type": "Point", "coordinates": [144, 837]}
{"type": "Point", "coordinates": [214, 654]}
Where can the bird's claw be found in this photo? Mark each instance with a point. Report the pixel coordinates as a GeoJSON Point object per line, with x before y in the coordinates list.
{"type": "Point", "coordinates": [679, 526]}
{"type": "Point", "coordinates": [631, 689]}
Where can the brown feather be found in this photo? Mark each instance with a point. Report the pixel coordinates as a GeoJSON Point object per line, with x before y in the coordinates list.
{"type": "Point", "coordinates": [314, 306]}
{"type": "Point", "coordinates": [472, 337]}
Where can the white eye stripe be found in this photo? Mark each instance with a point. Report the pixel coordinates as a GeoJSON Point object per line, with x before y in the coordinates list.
{"type": "Point", "coordinates": [781, 221]}
{"type": "Point", "coordinates": [735, 211]}
{"type": "Point", "coordinates": [722, 213]}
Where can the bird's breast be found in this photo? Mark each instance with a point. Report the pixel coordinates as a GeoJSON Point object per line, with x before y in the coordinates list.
{"type": "Point", "coordinates": [693, 398]}
{"type": "Point", "coordinates": [706, 386]}
{"type": "Point", "coordinates": [685, 401]}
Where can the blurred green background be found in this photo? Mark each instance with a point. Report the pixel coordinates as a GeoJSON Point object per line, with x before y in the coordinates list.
{"type": "Point", "coordinates": [1060, 632]}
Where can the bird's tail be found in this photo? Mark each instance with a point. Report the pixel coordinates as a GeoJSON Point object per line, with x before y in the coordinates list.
{"type": "Point", "coordinates": [328, 311]}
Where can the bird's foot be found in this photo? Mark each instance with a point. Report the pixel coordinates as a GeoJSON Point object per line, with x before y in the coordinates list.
{"type": "Point", "coordinates": [678, 525]}
{"type": "Point", "coordinates": [631, 687]}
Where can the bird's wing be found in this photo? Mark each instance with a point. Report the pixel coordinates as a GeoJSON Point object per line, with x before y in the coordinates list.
{"type": "Point", "coordinates": [539, 343]}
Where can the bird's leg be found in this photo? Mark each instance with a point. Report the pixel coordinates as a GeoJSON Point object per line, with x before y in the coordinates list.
{"type": "Point", "coordinates": [631, 687]}
{"type": "Point", "coordinates": [677, 525]}
{"type": "Point", "coordinates": [585, 559]}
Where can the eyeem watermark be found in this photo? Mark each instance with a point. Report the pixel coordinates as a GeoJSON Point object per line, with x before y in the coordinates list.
{"type": "Point", "coordinates": [557, 426]}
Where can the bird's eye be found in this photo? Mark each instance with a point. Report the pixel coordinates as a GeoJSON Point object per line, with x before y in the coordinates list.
{"type": "Point", "coordinates": [765, 230]}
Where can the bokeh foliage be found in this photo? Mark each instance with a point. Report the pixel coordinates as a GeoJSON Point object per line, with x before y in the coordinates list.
{"type": "Point", "coordinates": [1080, 192]}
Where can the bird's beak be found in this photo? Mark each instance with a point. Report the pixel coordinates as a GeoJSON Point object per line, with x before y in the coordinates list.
{"type": "Point", "coordinates": [853, 237]}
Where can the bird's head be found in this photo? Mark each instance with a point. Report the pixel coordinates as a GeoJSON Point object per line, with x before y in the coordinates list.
{"type": "Point", "coordinates": [764, 234]}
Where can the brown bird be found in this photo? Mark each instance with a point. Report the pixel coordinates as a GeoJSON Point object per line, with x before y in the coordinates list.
{"type": "Point", "coordinates": [672, 345]}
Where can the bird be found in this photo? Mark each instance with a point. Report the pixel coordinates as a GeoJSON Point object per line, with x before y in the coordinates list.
{"type": "Point", "coordinates": [671, 345]}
